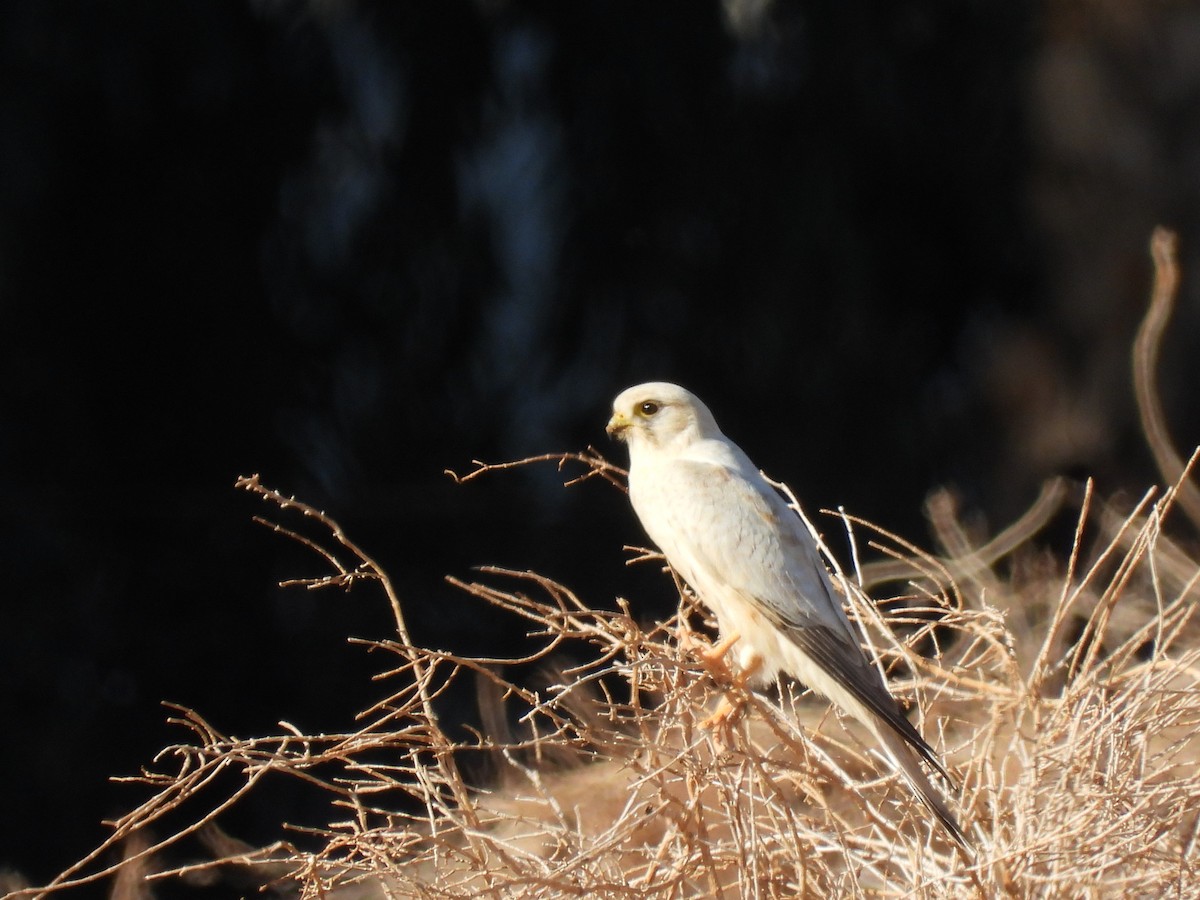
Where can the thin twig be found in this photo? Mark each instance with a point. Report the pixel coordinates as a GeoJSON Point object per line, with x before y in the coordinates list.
{"type": "Point", "coordinates": [596, 464]}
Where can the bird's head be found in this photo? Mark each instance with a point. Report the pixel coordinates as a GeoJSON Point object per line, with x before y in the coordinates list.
{"type": "Point", "coordinates": [658, 415]}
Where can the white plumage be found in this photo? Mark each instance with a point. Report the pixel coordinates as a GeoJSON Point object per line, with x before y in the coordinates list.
{"type": "Point", "coordinates": [749, 557]}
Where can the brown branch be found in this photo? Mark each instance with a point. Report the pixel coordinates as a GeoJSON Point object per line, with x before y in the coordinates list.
{"type": "Point", "coordinates": [442, 746]}
{"type": "Point", "coordinates": [1146, 347]}
{"type": "Point", "coordinates": [596, 463]}
{"type": "Point", "coordinates": [1049, 501]}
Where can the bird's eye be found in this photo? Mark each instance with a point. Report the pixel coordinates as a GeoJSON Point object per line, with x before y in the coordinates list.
{"type": "Point", "coordinates": [649, 408]}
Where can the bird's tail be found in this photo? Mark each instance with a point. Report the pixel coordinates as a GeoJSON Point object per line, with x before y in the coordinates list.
{"type": "Point", "coordinates": [909, 765]}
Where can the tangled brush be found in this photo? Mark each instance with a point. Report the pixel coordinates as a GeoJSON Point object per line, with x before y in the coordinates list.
{"type": "Point", "coordinates": [1062, 689]}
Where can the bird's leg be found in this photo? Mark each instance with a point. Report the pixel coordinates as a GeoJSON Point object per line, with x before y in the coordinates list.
{"type": "Point", "coordinates": [727, 708]}
{"type": "Point", "coordinates": [711, 655]}
{"type": "Point", "coordinates": [721, 716]}
{"type": "Point", "coordinates": [752, 665]}
{"type": "Point", "coordinates": [714, 660]}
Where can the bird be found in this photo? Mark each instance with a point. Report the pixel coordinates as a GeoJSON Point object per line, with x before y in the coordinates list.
{"type": "Point", "coordinates": [730, 535]}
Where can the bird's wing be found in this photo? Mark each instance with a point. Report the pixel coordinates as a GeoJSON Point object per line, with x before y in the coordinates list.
{"type": "Point", "coordinates": [726, 531]}
{"type": "Point", "coordinates": [721, 528]}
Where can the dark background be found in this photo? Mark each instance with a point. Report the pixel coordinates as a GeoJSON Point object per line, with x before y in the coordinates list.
{"type": "Point", "coordinates": [349, 245]}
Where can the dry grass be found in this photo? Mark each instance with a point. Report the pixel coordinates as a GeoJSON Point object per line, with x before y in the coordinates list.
{"type": "Point", "coordinates": [1062, 688]}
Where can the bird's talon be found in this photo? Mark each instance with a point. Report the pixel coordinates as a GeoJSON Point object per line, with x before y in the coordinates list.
{"type": "Point", "coordinates": [723, 716]}
{"type": "Point", "coordinates": [718, 651]}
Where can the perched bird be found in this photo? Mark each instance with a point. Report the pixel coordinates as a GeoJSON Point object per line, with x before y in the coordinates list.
{"type": "Point", "coordinates": [731, 536]}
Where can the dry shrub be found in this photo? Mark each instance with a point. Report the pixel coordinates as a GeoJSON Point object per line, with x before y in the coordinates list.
{"type": "Point", "coordinates": [1071, 727]}
{"type": "Point", "coordinates": [1063, 691]}
{"type": "Point", "coordinates": [1065, 699]}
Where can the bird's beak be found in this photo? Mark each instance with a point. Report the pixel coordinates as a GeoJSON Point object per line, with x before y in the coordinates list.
{"type": "Point", "coordinates": [616, 426]}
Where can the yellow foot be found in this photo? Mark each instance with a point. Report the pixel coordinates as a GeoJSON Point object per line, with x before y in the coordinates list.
{"type": "Point", "coordinates": [718, 651]}
{"type": "Point", "coordinates": [711, 655]}
{"type": "Point", "coordinates": [728, 710]}
{"type": "Point", "coordinates": [714, 659]}
{"type": "Point", "coordinates": [722, 718]}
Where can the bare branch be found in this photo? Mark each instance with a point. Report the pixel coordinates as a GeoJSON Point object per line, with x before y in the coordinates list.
{"type": "Point", "coordinates": [596, 464]}
{"type": "Point", "coordinates": [1146, 349]}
